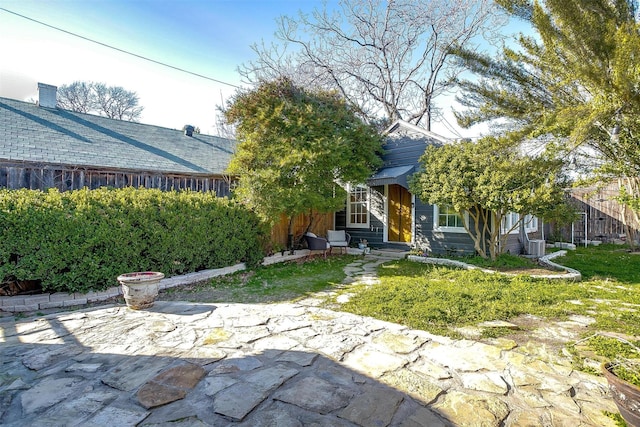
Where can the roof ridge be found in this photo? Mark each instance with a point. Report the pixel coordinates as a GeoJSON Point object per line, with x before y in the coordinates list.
{"type": "Point", "coordinates": [109, 119]}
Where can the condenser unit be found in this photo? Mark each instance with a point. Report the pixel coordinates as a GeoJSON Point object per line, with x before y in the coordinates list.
{"type": "Point", "coordinates": [536, 248]}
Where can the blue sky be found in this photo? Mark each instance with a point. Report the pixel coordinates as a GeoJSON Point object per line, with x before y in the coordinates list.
{"type": "Point", "coordinates": [209, 37]}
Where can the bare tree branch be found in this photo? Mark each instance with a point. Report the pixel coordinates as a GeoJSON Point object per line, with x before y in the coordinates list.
{"type": "Point", "coordinates": [114, 102]}
{"type": "Point", "coordinates": [386, 57]}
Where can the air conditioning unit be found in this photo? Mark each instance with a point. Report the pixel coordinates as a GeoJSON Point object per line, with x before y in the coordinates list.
{"type": "Point", "coordinates": [536, 248]}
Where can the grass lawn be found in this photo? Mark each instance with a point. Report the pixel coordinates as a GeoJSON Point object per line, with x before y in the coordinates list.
{"type": "Point", "coordinates": [274, 283]}
{"type": "Point", "coordinates": [440, 299]}
{"type": "Point", "coordinates": [605, 262]}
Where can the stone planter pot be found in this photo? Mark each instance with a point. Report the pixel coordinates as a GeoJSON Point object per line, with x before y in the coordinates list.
{"type": "Point", "coordinates": [140, 289]}
{"type": "Point", "coordinates": [625, 395]}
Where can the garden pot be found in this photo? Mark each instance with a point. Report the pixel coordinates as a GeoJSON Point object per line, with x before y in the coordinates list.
{"type": "Point", "coordinates": [140, 289]}
{"type": "Point", "coordinates": [625, 395]}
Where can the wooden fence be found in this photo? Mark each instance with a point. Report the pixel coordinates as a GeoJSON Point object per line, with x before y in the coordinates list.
{"type": "Point", "coordinates": [41, 177]}
{"type": "Point", "coordinates": [600, 214]}
{"type": "Point", "coordinates": [321, 223]}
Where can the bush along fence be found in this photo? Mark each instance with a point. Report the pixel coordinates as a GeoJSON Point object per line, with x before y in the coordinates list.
{"type": "Point", "coordinates": [80, 241]}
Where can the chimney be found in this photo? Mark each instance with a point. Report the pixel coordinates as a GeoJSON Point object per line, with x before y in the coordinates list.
{"type": "Point", "coordinates": [188, 130]}
{"type": "Point", "coordinates": [47, 95]}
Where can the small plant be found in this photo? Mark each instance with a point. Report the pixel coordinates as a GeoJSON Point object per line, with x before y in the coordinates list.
{"type": "Point", "coordinates": [419, 252]}
{"type": "Point", "coordinates": [624, 357]}
{"type": "Point", "coordinates": [627, 370]}
{"type": "Point", "coordinates": [625, 364]}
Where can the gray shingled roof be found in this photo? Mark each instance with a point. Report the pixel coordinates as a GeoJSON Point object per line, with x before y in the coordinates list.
{"type": "Point", "coordinates": [29, 133]}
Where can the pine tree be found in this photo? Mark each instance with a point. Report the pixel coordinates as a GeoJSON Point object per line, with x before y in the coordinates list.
{"type": "Point", "coordinates": [577, 79]}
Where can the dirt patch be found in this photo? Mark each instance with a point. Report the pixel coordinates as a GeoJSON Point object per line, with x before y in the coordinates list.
{"type": "Point", "coordinates": [537, 271]}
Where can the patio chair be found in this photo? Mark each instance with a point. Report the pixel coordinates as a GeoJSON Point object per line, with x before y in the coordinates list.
{"type": "Point", "coordinates": [339, 239]}
{"type": "Point", "coordinates": [315, 243]}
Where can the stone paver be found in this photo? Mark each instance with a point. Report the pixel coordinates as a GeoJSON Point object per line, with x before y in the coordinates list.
{"type": "Point", "coordinates": [289, 364]}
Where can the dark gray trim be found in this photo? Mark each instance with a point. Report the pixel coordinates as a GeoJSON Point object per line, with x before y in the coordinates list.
{"type": "Point", "coordinates": [394, 175]}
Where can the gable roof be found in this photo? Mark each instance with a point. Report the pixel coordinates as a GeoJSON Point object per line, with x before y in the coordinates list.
{"type": "Point", "coordinates": [29, 133]}
{"type": "Point", "coordinates": [404, 145]}
{"type": "Point", "coordinates": [400, 129]}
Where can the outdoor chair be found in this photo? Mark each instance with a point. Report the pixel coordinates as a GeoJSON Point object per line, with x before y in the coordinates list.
{"type": "Point", "coordinates": [339, 239]}
{"type": "Point", "coordinates": [315, 243]}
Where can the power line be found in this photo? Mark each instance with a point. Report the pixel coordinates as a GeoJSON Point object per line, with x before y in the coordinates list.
{"type": "Point", "coordinates": [119, 50]}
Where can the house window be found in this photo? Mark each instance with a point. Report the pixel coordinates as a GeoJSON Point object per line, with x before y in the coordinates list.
{"type": "Point", "coordinates": [358, 207]}
{"type": "Point", "coordinates": [447, 219]}
{"type": "Point", "coordinates": [509, 223]}
{"type": "Point", "coordinates": [530, 223]}
{"type": "Point", "coordinates": [511, 220]}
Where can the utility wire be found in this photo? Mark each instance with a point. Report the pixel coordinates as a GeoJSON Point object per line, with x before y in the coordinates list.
{"type": "Point", "coordinates": [118, 49]}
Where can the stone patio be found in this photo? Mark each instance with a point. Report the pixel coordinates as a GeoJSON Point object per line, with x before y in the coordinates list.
{"type": "Point", "coordinates": [286, 364]}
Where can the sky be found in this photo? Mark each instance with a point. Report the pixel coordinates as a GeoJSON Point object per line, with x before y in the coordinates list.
{"type": "Point", "coordinates": [207, 37]}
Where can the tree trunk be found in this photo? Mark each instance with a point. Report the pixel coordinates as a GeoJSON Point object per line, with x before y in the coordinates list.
{"type": "Point", "coordinates": [629, 215]}
{"type": "Point", "coordinates": [290, 235]}
{"type": "Point", "coordinates": [477, 237]}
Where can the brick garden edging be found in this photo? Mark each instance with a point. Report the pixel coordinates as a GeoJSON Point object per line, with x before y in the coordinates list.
{"type": "Point", "coordinates": [570, 273]}
{"type": "Point", "coordinates": [28, 303]}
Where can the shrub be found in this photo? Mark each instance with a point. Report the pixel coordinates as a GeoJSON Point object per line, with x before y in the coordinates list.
{"type": "Point", "coordinates": [82, 240]}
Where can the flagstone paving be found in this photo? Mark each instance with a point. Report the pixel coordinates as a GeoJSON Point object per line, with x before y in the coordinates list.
{"type": "Point", "coordinates": [285, 364]}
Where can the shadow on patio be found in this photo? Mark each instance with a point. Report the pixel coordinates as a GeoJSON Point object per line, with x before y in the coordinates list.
{"type": "Point", "coordinates": [185, 364]}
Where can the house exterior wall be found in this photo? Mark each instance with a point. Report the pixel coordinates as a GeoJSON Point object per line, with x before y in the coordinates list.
{"type": "Point", "coordinates": [374, 232]}
{"type": "Point", "coordinates": [404, 146]}
{"type": "Point", "coordinates": [404, 151]}
{"type": "Point", "coordinates": [438, 242]}
{"type": "Point", "coordinates": [513, 245]}
{"type": "Point", "coordinates": [426, 237]}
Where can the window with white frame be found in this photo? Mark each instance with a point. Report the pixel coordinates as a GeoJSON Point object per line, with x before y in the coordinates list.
{"type": "Point", "coordinates": [358, 207]}
{"type": "Point", "coordinates": [446, 219]}
{"type": "Point", "coordinates": [530, 223]}
{"type": "Point", "coordinates": [509, 221]}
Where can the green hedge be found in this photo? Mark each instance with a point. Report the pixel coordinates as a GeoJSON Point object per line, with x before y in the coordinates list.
{"type": "Point", "coordinates": [82, 240]}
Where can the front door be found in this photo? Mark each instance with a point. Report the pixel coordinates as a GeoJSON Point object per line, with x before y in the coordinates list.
{"type": "Point", "coordinates": [399, 209]}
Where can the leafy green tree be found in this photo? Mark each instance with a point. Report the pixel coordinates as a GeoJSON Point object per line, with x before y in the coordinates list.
{"type": "Point", "coordinates": [576, 80]}
{"type": "Point", "coordinates": [484, 181]}
{"type": "Point", "coordinates": [296, 148]}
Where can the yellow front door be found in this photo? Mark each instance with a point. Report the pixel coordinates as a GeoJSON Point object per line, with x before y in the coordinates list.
{"type": "Point", "coordinates": [399, 209]}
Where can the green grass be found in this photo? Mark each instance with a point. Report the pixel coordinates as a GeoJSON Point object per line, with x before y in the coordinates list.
{"type": "Point", "coordinates": [604, 262]}
{"type": "Point", "coordinates": [439, 299]}
{"type": "Point", "coordinates": [504, 261]}
{"type": "Point", "coordinates": [273, 283]}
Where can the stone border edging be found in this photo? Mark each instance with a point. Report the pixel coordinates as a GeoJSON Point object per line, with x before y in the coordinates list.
{"type": "Point", "coordinates": [576, 275]}
{"type": "Point", "coordinates": [27, 303]}
{"type": "Point", "coordinates": [570, 274]}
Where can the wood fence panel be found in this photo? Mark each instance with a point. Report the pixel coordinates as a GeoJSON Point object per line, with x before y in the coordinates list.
{"type": "Point", "coordinates": [64, 178]}
{"type": "Point", "coordinates": [605, 216]}
{"type": "Point", "coordinates": [321, 223]}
